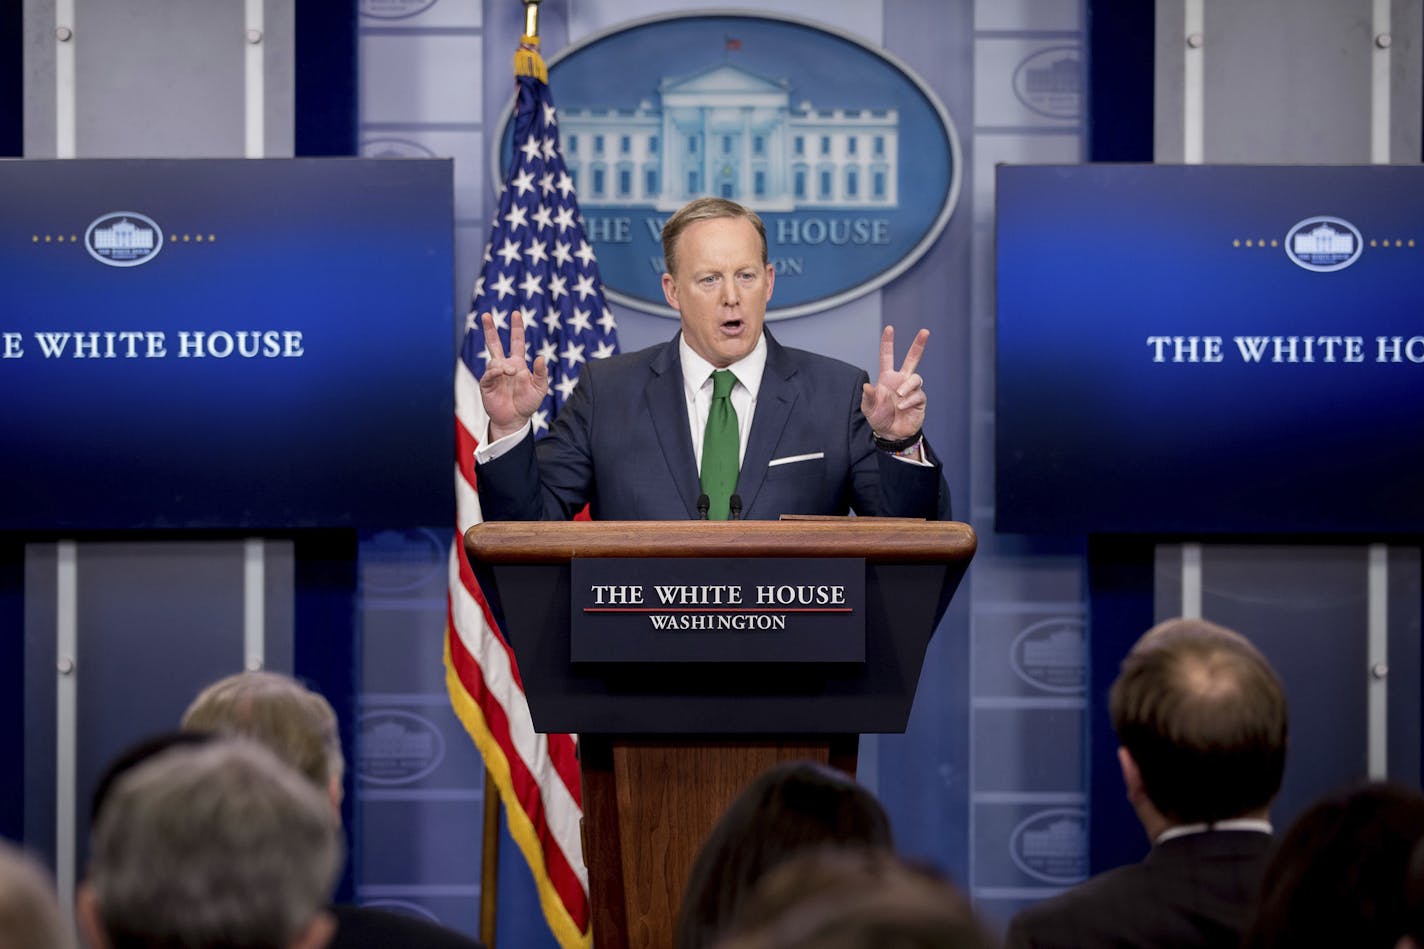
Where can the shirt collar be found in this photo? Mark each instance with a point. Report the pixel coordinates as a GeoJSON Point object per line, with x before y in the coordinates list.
{"type": "Point", "coordinates": [696, 370]}
{"type": "Point", "coordinates": [1235, 823]}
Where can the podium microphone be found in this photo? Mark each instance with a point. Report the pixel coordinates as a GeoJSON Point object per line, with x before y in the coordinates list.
{"type": "Point", "coordinates": [734, 508]}
{"type": "Point", "coordinates": [704, 504]}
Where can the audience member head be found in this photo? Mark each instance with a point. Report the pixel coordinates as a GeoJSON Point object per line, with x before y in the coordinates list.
{"type": "Point", "coordinates": [135, 755]}
{"type": "Point", "coordinates": [855, 898]}
{"type": "Point", "coordinates": [1201, 718]}
{"type": "Point", "coordinates": [1338, 876]}
{"type": "Point", "coordinates": [218, 845]}
{"type": "Point", "coordinates": [706, 209]}
{"type": "Point", "coordinates": [29, 911]}
{"type": "Point", "coordinates": [791, 807]}
{"type": "Point", "coordinates": [278, 712]}
{"type": "Point", "coordinates": [1414, 900]}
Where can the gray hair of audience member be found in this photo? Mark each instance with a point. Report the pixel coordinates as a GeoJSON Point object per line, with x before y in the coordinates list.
{"type": "Point", "coordinates": [29, 911]}
{"type": "Point", "coordinates": [1203, 716]}
{"type": "Point", "coordinates": [789, 808]}
{"type": "Point", "coordinates": [706, 209]}
{"type": "Point", "coordinates": [839, 898]}
{"type": "Point", "coordinates": [274, 710]}
{"type": "Point", "coordinates": [216, 845]}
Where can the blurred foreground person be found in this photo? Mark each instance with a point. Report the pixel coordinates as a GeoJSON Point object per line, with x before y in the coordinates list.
{"type": "Point", "coordinates": [299, 726]}
{"type": "Point", "coordinates": [29, 912]}
{"type": "Point", "coordinates": [1201, 720]}
{"type": "Point", "coordinates": [787, 809]}
{"type": "Point", "coordinates": [218, 845]}
{"type": "Point", "coordinates": [844, 898]}
{"type": "Point", "coordinates": [1340, 874]}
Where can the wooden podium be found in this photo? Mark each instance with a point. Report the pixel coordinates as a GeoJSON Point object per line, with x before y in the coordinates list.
{"type": "Point", "coordinates": [664, 746]}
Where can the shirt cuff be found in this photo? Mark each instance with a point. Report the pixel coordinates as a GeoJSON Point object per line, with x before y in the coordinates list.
{"type": "Point", "coordinates": [486, 451]}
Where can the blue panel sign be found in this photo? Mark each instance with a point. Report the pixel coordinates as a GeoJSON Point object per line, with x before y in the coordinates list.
{"type": "Point", "coordinates": [717, 610]}
{"type": "Point", "coordinates": [1210, 349]}
{"type": "Point", "coordinates": [226, 343]}
{"type": "Point", "coordinates": [848, 156]}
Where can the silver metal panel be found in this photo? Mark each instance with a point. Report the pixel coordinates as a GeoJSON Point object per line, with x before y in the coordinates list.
{"type": "Point", "coordinates": [159, 79]}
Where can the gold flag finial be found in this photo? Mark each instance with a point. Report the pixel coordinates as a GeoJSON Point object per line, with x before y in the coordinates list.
{"type": "Point", "coordinates": [531, 17]}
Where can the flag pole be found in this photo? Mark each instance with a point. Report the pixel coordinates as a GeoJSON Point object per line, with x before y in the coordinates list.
{"type": "Point", "coordinates": [489, 851]}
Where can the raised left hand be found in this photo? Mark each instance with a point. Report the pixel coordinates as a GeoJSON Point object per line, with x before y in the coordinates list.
{"type": "Point", "coordinates": [895, 405]}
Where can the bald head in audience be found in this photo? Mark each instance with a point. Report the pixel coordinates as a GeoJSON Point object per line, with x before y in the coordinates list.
{"type": "Point", "coordinates": [1201, 725]}
{"type": "Point", "coordinates": [216, 845]}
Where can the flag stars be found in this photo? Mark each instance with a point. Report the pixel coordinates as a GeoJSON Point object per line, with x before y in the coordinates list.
{"type": "Point", "coordinates": [543, 218]}
{"type": "Point", "coordinates": [552, 323]}
{"type": "Point", "coordinates": [565, 218]}
{"type": "Point", "coordinates": [524, 182]}
{"type": "Point", "coordinates": [546, 183]}
{"type": "Point", "coordinates": [566, 184]}
{"type": "Point", "coordinates": [572, 354]}
{"type": "Point", "coordinates": [532, 286]}
{"type": "Point", "coordinates": [516, 218]}
{"type": "Point", "coordinates": [548, 147]}
{"type": "Point", "coordinates": [549, 350]}
{"type": "Point", "coordinates": [584, 253]}
{"type": "Point", "coordinates": [579, 321]}
{"type": "Point", "coordinates": [584, 286]}
{"type": "Point", "coordinates": [557, 286]}
{"type": "Point", "coordinates": [607, 322]}
{"type": "Point", "coordinates": [509, 251]}
{"type": "Point", "coordinates": [535, 251]}
{"type": "Point", "coordinates": [566, 386]}
{"type": "Point", "coordinates": [531, 149]}
{"type": "Point", "coordinates": [540, 420]}
{"type": "Point", "coordinates": [561, 252]}
{"type": "Point", "coordinates": [500, 318]}
{"type": "Point", "coordinates": [604, 350]}
{"type": "Point", "coordinates": [504, 286]}
{"type": "Point", "coordinates": [550, 114]}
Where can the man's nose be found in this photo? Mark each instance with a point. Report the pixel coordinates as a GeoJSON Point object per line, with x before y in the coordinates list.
{"type": "Point", "coordinates": [731, 293]}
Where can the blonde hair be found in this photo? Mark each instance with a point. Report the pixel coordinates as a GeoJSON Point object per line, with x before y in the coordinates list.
{"type": "Point", "coordinates": [706, 209]}
{"type": "Point", "coordinates": [277, 711]}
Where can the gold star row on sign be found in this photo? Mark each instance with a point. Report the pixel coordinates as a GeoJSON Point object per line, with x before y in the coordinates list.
{"type": "Point", "coordinates": [172, 238]}
{"type": "Point", "coordinates": [1374, 242]}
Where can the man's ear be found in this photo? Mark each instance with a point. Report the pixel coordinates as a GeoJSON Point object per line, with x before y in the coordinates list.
{"type": "Point", "coordinates": [670, 291]}
{"type": "Point", "coordinates": [91, 924]}
{"type": "Point", "coordinates": [1131, 776]}
{"type": "Point", "coordinates": [317, 933]}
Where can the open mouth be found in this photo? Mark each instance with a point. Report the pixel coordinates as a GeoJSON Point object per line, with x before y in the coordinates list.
{"type": "Point", "coordinates": [732, 327]}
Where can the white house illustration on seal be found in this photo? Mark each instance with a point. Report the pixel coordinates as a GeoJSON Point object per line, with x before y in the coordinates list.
{"type": "Point", "coordinates": [125, 235]}
{"type": "Point", "coordinates": [1324, 239]}
{"type": "Point", "coordinates": [729, 132]}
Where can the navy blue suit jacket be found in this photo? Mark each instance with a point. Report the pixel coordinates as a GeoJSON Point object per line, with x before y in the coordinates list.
{"type": "Point", "coordinates": [621, 444]}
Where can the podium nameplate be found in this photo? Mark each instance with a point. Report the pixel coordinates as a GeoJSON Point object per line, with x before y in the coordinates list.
{"type": "Point", "coordinates": [753, 610]}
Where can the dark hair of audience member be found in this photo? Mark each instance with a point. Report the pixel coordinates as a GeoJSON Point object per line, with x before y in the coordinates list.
{"type": "Point", "coordinates": [1338, 876]}
{"type": "Point", "coordinates": [854, 898]}
{"type": "Point", "coordinates": [1414, 898]}
{"type": "Point", "coordinates": [135, 755]}
{"type": "Point", "coordinates": [789, 808]}
{"type": "Point", "coordinates": [1204, 717]}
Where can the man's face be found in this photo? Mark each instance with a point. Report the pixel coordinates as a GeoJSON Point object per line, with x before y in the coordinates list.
{"type": "Point", "coordinates": [721, 288]}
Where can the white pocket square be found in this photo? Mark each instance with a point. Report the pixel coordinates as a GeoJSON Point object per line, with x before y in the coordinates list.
{"type": "Point", "coordinates": [792, 459]}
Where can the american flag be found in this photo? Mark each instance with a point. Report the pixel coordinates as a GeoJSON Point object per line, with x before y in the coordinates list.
{"type": "Point", "coordinates": [538, 262]}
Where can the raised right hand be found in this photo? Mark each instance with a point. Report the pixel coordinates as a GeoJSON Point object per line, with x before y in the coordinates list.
{"type": "Point", "coordinates": [510, 389]}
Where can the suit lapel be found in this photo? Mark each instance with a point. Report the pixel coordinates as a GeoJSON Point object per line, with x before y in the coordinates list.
{"type": "Point", "coordinates": [668, 408]}
{"type": "Point", "coordinates": [775, 400]}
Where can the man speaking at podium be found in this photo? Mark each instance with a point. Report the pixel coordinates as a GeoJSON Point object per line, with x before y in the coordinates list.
{"type": "Point", "coordinates": [722, 421]}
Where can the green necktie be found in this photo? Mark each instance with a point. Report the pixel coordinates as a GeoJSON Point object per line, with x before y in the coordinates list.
{"type": "Point", "coordinates": [720, 446]}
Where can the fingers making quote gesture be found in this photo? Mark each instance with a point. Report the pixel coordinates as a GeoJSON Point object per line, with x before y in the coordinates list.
{"type": "Point", "coordinates": [895, 404]}
{"type": "Point", "coordinates": [511, 388]}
